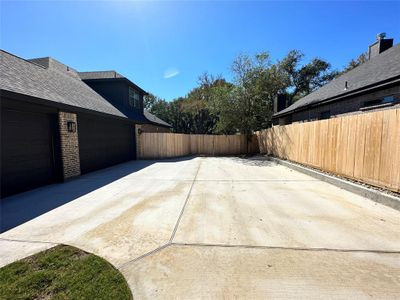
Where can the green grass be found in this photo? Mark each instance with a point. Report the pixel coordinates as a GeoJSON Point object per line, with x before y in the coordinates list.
{"type": "Point", "coordinates": [62, 272]}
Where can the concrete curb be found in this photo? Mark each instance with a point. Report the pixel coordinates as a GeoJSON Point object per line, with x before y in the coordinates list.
{"type": "Point", "coordinates": [372, 194]}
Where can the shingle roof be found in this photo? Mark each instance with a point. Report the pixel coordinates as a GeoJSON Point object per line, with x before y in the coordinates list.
{"type": "Point", "coordinates": [49, 79]}
{"type": "Point", "coordinates": [152, 118]}
{"type": "Point", "coordinates": [381, 68]}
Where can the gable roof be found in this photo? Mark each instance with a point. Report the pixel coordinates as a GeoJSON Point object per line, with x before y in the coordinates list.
{"type": "Point", "coordinates": [380, 69]}
{"type": "Point", "coordinates": [153, 119]}
{"type": "Point", "coordinates": [108, 75]}
{"type": "Point", "coordinates": [48, 79]}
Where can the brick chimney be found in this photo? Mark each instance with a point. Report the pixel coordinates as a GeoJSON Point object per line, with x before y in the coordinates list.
{"type": "Point", "coordinates": [279, 102]}
{"type": "Point", "coordinates": [381, 45]}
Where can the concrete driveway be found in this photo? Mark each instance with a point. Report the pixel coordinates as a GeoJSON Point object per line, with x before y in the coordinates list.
{"type": "Point", "coordinates": [220, 228]}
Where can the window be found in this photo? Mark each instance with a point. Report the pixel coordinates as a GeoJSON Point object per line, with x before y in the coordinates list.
{"type": "Point", "coordinates": [134, 98]}
{"type": "Point", "coordinates": [382, 101]}
{"type": "Point", "coordinates": [388, 99]}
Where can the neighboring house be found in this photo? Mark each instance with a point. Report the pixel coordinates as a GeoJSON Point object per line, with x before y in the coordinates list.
{"type": "Point", "coordinates": [55, 127]}
{"type": "Point", "coordinates": [370, 86]}
{"type": "Point", "coordinates": [126, 96]}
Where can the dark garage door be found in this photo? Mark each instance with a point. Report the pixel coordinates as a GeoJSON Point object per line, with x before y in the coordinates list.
{"type": "Point", "coordinates": [104, 142]}
{"type": "Point", "coordinates": [28, 157]}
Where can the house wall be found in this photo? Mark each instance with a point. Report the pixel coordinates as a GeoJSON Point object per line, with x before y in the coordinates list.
{"type": "Point", "coordinates": [337, 108]}
{"type": "Point", "coordinates": [116, 92]}
{"type": "Point", "coordinates": [37, 148]}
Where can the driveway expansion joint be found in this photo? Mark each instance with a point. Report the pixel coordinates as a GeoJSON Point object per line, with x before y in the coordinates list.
{"type": "Point", "coordinates": [285, 248]}
{"type": "Point", "coordinates": [184, 205]}
{"type": "Point", "coordinates": [28, 241]}
{"type": "Point", "coordinates": [122, 266]}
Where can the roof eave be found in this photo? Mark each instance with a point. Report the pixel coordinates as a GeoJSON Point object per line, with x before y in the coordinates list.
{"type": "Point", "coordinates": [159, 124]}
{"type": "Point", "coordinates": [46, 102]}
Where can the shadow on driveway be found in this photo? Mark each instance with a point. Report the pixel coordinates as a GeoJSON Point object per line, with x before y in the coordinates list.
{"type": "Point", "coordinates": [255, 161]}
{"type": "Point", "coordinates": [18, 209]}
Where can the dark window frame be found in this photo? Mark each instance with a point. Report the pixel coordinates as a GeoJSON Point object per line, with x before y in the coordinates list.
{"type": "Point", "coordinates": [134, 98]}
{"type": "Point", "coordinates": [380, 101]}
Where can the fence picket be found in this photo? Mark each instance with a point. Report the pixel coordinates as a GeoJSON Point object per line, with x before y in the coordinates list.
{"type": "Point", "coordinates": [164, 145]}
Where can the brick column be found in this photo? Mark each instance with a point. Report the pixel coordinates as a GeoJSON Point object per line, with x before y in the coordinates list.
{"type": "Point", "coordinates": [137, 135]}
{"type": "Point", "coordinates": [69, 145]}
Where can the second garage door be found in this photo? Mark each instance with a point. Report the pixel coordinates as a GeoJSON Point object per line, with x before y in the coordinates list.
{"type": "Point", "coordinates": [104, 142]}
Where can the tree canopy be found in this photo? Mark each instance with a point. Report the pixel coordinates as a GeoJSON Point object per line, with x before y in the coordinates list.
{"type": "Point", "coordinates": [362, 58]}
{"type": "Point", "coordinates": [216, 106]}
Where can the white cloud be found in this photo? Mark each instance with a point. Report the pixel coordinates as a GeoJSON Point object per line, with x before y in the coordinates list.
{"type": "Point", "coordinates": [170, 72]}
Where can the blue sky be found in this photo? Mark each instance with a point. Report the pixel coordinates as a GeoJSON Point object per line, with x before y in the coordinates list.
{"type": "Point", "coordinates": [165, 46]}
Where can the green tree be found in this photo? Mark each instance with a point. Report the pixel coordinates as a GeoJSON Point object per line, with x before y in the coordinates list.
{"type": "Point", "coordinates": [192, 113]}
{"type": "Point", "coordinates": [362, 58]}
{"type": "Point", "coordinates": [149, 100]}
{"type": "Point", "coordinates": [222, 106]}
{"type": "Point", "coordinates": [247, 106]}
{"type": "Point", "coordinates": [157, 106]}
{"type": "Point", "coordinates": [300, 79]}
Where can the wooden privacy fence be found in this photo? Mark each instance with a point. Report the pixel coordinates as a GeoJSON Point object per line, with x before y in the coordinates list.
{"type": "Point", "coordinates": [364, 147]}
{"type": "Point", "coordinates": [163, 145]}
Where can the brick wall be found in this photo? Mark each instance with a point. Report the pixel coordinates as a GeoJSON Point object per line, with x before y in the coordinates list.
{"type": "Point", "coordinates": [137, 136]}
{"type": "Point", "coordinates": [69, 145]}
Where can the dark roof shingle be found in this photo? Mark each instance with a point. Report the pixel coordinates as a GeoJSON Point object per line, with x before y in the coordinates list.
{"type": "Point", "coordinates": [153, 119]}
{"type": "Point", "coordinates": [48, 79]}
{"type": "Point", "coordinates": [383, 67]}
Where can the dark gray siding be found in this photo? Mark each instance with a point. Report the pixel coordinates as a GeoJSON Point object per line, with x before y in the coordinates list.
{"type": "Point", "coordinates": [116, 92]}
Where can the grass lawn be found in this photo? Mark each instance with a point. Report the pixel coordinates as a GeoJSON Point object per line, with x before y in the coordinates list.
{"type": "Point", "coordinates": [62, 272]}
